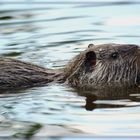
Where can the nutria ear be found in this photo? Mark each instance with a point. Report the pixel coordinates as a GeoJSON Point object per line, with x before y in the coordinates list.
{"type": "Point", "coordinates": [90, 61]}
{"type": "Point", "coordinates": [90, 45]}
{"type": "Point", "coordinates": [138, 64]}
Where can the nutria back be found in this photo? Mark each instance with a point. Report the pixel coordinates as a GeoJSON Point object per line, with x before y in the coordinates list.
{"type": "Point", "coordinates": [15, 74]}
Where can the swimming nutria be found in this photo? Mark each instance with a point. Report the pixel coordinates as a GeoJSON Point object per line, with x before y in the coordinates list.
{"type": "Point", "coordinates": [106, 65]}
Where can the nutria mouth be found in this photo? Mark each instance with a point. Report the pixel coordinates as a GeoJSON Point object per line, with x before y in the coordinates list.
{"type": "Point", "coordinates": [99, 66]}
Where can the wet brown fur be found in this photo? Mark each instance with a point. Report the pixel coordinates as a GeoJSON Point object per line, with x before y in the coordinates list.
{"type": "Point", "coordinates": [15, 74]}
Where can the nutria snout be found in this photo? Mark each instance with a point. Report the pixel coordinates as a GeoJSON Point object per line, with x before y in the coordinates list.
{"type": "Point", "coordinates": [98, 67]}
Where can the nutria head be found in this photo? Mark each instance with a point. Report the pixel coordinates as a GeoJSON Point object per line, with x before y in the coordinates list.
{"type": "Point", "coordinates": [107, 65]}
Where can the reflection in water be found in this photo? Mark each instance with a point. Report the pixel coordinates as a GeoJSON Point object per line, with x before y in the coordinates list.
{"type": "Point", "coordinates": [50, 33]}
{"type": "Point", "coordinates": [91, 104]}
{"type": "Point", "coordinates": [109, 94]}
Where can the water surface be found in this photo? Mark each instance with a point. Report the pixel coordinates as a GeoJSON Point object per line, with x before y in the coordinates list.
{"type": "Point", "coordinates": [49, 34]}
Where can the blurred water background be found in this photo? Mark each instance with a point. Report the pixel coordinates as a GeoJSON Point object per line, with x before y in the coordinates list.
{"type": "Point", "coordinates": [50, 33]}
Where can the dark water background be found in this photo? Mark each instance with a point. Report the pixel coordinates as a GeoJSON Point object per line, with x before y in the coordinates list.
{"type": "Point", "coordinates": [49, 33]}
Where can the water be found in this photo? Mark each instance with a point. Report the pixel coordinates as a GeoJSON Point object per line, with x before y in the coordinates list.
{"type": "Point", "coordinates": [49, 34]}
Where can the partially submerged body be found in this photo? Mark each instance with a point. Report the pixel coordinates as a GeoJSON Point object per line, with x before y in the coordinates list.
{"type": "Point", "coordinates": [15, 74]}
{"type": "Point", "coordinates": [98, 67]}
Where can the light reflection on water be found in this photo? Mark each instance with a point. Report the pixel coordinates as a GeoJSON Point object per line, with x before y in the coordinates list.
{"type": "Point", "coordinates": [49, 34]}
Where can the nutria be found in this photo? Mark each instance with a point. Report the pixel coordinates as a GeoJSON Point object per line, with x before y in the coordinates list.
{"type": "Point", "coordinates": [99, 66]}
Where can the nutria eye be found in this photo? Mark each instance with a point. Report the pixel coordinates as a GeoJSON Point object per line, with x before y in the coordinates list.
{"type": "Point", "coordinates": [115, 55]}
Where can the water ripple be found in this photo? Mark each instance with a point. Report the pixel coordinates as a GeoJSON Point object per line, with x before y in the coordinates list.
{"type": "Point", "coordinates": [50, 33]}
